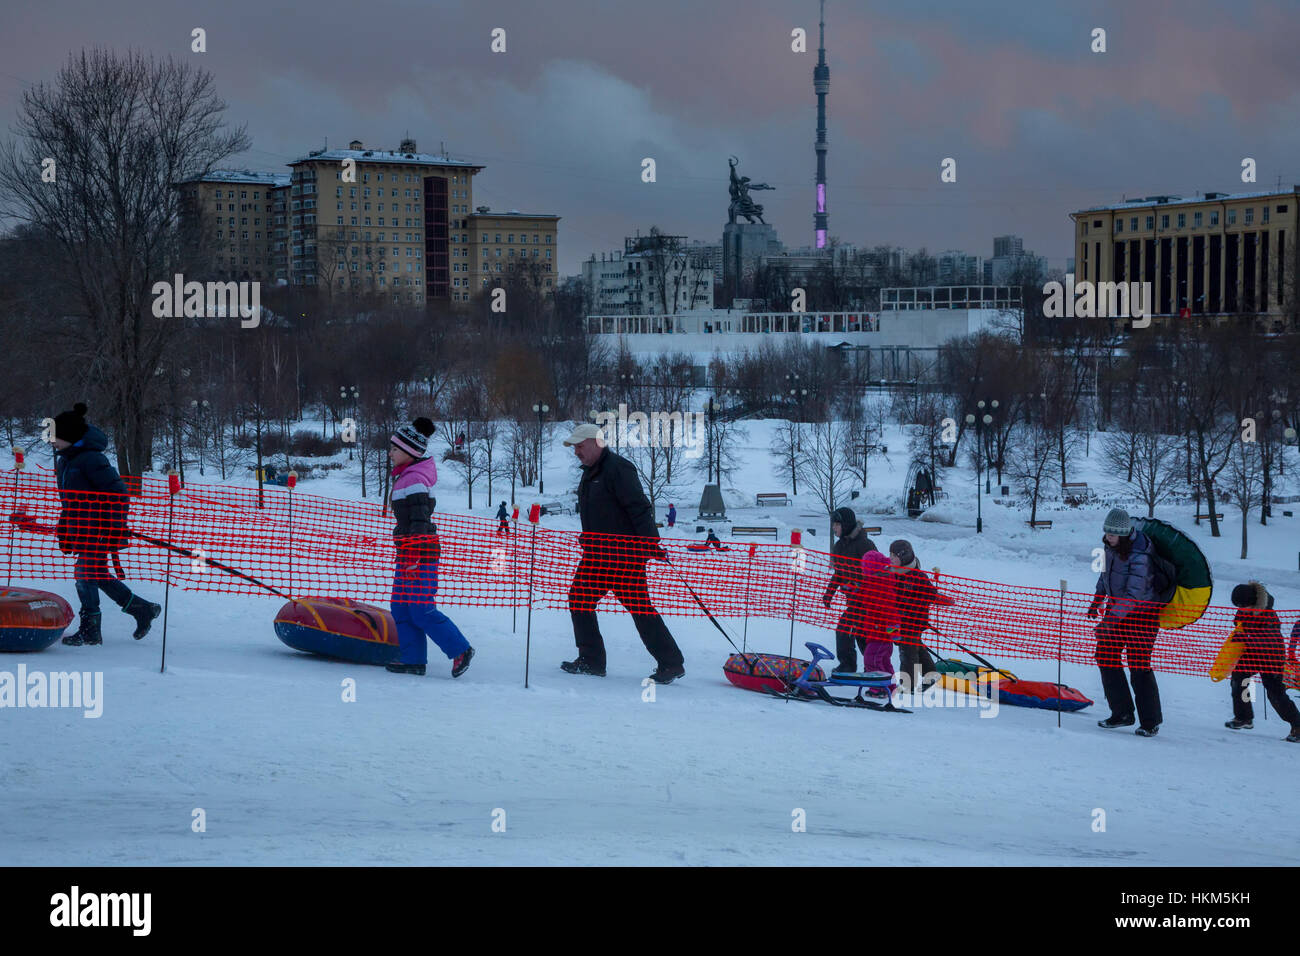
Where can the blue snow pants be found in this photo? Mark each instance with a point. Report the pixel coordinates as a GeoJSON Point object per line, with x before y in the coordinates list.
{"type": "Point", "coordinates": [416, 615]}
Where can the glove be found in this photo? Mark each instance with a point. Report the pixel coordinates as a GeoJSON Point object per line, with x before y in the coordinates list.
{"type": "Point", "coordinates": [1093, 608]}
{"type": "Point", "coordinates": [22, 519]}
{"type": "Point", "coordinates": [946, 600]}
{"type": "Point", "coordinates": [827, 598]}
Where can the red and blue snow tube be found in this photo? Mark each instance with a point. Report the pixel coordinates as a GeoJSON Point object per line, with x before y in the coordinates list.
{"type": "Point", "coordinates": [1041, 693]}
{"type": "Point", "coordinates": [340, 628]}
{"type": "Point", "coordinates": [31, 620]}
{"type": "Point", "coordinates": [767, 672]}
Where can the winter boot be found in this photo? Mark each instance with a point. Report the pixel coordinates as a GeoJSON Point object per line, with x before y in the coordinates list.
{"type": "Point", "coordinates": [144, 612]}
{"type": "Point", "coordinates": [1294, 736]}
{"type": "Point", "coordinates": [667, 673]}
{"type": "Point", "coordinates": [1236, 724]}
{"type": "Point", "coordinates": [88, 632]}
{"type": "Point", "coordinates": [461, 664]}
{"type": "Point", "coordinates": [1111, 722]}
{"type": "Point", "coordinates": [1148, 731]}
{"type": "Point", "coordinates": [398, 668]}
{"type": "Point", "coordinates": [581, 666]}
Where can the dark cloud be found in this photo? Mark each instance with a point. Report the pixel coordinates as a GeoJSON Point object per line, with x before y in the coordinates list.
{"type": "Point", "coordinates": [1039, 124]}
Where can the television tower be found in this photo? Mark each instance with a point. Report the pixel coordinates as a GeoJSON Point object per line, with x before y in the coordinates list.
{"type": "Point", "coordinates": [822, 84]}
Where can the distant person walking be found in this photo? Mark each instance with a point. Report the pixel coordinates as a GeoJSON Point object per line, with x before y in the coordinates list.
{"type": "Point", "coordinates": [1128, 627]}
{"type": "Point", "coordinates": [618, 538]}
{"type": "Point", "coordinates": [672, 515]}
{"type": "Point", "coordinates": [92, 524]}
{"type": "Point", "coordinates": [415, 582]}
{"type": "Point", "coordinates": [504, 518]}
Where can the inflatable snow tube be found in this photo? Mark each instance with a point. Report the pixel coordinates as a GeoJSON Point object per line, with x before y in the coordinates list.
{"type": "Point", "coordinates": [974, 680]}
{"type": "Point", "coordinates": [767, 672]}
{"type": "Point", "coordinates": [340, 628]}
{"type": "Point", "coordinates": [1194, 584]}
{"type": "Point", "coordinates": [31, 620]}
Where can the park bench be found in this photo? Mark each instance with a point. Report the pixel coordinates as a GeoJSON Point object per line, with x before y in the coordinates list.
{"type": "Point", "coordinates": [555, 508]}
{"type": "Point", "coordinates": [1218, 516]}
{"type": "Point", "coordinates": [874, 529]}
{"type": "Point", "coordinates": [769, 532]}
{"type": "Point", "coordinates": [1039, 524]}
{"type": "Point", "coordinates": [765, 498]}
{"type": "Point", "coordinates": [1074, 492]}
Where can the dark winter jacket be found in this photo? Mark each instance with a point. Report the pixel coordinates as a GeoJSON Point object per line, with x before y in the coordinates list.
{"type": "Point", "coordinates": [611, 502]}
{"type": "Point", "coordinates": [94, 498]}
{"type": "Point", "coordinates": [915, 594]}
{"type": "Point", "coordinates": [1128, 580]}
{"type": "Point", "coordinates": [846, 565]}
{"type": "Point", "coordinates": [1261, 631]}
{"type": "Point", "coordinates": [501, 514]}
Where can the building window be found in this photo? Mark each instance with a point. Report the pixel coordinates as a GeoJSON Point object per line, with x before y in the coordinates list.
{"type": "Point", "coordinates": [498, 238]}
{"type": "Point", "coordinates": [1182, 220]}
{"type": "Point", "coordinates": [1232, 217]}
{"type": "Point", "coordinates": [1164, 221]}
{"type": "Point", "coordinates": [1265, 215]}
{"type": "Point", "coordinates": [1119, 224]}
{"type": "Point", "coordinates": [1214, 218]}
{"type": "Point", "coordinates": [1196, 220]}
{"type": "Point", "coordinates": [1281, 209]}
{"type": "Point", "coordinates": [1250, 216]}
{"type": "Point", "coordinates": [1151, 222]}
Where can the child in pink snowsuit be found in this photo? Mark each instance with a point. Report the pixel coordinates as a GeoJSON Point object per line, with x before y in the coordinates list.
{"type": "Point", "coordinates": [879, 614]}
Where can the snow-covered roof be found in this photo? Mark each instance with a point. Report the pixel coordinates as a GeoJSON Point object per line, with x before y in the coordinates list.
{"type": "Point", "coordinates": [242, 176]}
{"type": "Point", "coordinates": [1148, 201]}
{"type": "Point", "coordinates": [381, 156]}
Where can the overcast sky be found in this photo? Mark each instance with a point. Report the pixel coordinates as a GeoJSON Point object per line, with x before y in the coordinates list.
{"type": "Point", "coordinates": [1039, 124]}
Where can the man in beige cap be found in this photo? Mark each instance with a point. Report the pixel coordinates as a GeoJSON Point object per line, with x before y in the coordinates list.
{"type": "Point", "coordinates": [618, 536]}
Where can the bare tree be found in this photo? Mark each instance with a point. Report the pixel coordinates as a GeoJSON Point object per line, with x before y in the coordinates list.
{"type": "Point", "coordinates": [1152, 461]}
{"type": "Point", "coordinates": [827, 464]}
{"type": "Point", "coordinates": [122, 132]}
{"type": "Point", "coordinates": [1030, 463]}
{"type": "Point", "coordinates": [1245, 474]}
{"type": "Point", "coordinates": [786, 451]}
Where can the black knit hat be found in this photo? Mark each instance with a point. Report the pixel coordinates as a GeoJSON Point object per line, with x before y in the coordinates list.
{"type": "Point", "coordinates": [71, 426]}
{"type": "Point", "coordinates": [414, 438]}
{"type": "Point", "coordinates": [846, 519]}
{"type": "Point", "coordinates": [1244, 595]}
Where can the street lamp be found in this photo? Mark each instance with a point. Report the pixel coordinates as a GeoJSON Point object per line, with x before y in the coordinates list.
{"type": "Point", "coordinates": [541, 411]}
{"type": "Point", "coordinates": [980, 422]}
{"type": "Point", "coordinates": [199, 409]}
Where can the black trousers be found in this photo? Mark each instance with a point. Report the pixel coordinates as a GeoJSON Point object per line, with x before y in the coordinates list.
{"type": "Point", "coordinates": [848, 636]}
{"type": "Point", "coordinates": [598, 575]}
{"type": "Point", "coordinates": [912, 656]}
{"type": "Point", "coordinates": [1276, 690]}
{"type": "Point", "coordinates": [1134, 637]}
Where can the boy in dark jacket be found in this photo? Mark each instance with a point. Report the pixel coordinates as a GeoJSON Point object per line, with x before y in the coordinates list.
{"type": "Point", "coordinates": [92, 523]}
{"type": "Point", "coordinates": [1257, 625]}
{"type": "Point", "coordinates": [618, 537]}
{"type": "Point", "coordinates": [914, 594]}
{"type": "Point", "coordinates": [1131, 623]}
{"type": "Point", "coordinates": [504, 518]}
{"type": "Point", "coordinates": [846, 567]}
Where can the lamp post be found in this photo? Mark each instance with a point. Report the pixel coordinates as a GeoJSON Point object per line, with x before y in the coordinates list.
{"type": "Point", "coordinates": [987, 419]}
{"type": "Point", "coordinates": [200, 408]}
{"type": "Point", "coordinates": [797, 396]}
{"type": "Point", "coordinates": [541, 411]}
{"type": "Point", "coordinates": [980, 422]}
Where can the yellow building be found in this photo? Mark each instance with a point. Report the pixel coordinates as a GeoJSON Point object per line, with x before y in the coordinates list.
{"type": "Point", "coordinates": [500, 241]}
{"type": "Point", "coordinates": [229, 214]}
{"type": "Point", "coordinates": [392, 222]}
{"type": "Point", "coordinates": [1219, 254]}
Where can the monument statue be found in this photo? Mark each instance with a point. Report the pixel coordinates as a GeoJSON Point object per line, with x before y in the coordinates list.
{"type": "Point", "coordinates": [741, 204]}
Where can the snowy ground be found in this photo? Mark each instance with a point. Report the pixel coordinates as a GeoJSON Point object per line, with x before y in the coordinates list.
{"type": "Point", "coordinates": [588, 772]}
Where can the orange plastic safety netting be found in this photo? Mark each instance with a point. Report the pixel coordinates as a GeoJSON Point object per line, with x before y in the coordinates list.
{"type": "Point", "coordinates": [245, 541]}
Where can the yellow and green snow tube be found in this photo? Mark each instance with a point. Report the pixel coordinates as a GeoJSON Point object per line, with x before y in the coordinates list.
{"type": "Point", "coordinates": [1194, 585]}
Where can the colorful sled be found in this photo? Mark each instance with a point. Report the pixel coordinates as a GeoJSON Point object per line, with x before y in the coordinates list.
{"type": "Point", "coordinates": [811, 684]}
{"type": "Point", "coordinates": [31, 620]}
{"type": "Point", "coordinates": [340, 628]}
{"type": "Point", "coordinates": [767, 673]}
{"type": "Point", "coordinates": [1228, 655]}
{"type": "Point", "coordinates": [956, 675]}
{"type": "Point", "coordinates": [1193, 583]}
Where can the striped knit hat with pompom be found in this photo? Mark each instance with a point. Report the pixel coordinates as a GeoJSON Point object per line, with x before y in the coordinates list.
{"type": "Point", "coordinates": [414, 438]}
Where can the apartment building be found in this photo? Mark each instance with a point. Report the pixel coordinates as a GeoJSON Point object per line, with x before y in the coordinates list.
{"type": "Point", "coordinates": [391, 222]}
{"type": "Point", "coordinates": [1218, 254]}
{"type": "Point", "coordinates": [496, 243]}
{"type": "Point", "coordinates": [229, 215]}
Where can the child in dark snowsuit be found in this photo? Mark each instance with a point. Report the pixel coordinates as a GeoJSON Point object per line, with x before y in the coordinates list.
{"type": "Point", "coordinates": [415, 583]}
{"type": "Point", "coordinates": [504, 518]}
{"type": "Point", "coordinates": [1258, 627]}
